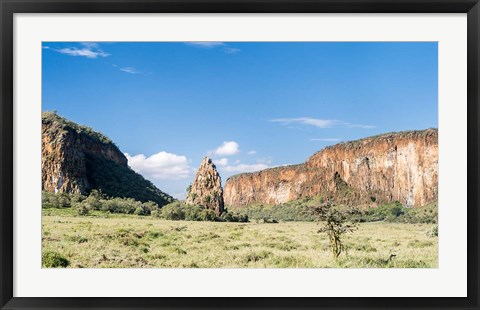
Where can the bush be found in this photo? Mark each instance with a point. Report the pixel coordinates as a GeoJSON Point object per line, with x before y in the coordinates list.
{"type": "Point", "coordinates": [139, 211]}
{"type": "Point", "coordinates": [207, 215]}
{"type": "Point", "coordinates": [121, 205]}
{"type": "Point", "coordinates": [54, 260]}
{"type": "Point", "coordinates": [232, 217]}
{"type": "Point", "coordinates": [155, 213]}
{"type": "Point", "coordinates": [94, 202]}
{"type": "Point", "coordinates": [149, 206]}
{"type": "Point", "coordinates": [83, 208]}
{"type": "Point", "coordinates": [192, 213]}
{"type": "Point", "coordinates": [432, 232]}
{"type": "Point", "coordinates": [59, 200]}
{"type": "Point", "coordinates": [173, 211]}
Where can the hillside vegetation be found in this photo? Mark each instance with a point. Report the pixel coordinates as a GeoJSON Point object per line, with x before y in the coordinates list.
{"type": "Point", "coordinates": [118, 181]}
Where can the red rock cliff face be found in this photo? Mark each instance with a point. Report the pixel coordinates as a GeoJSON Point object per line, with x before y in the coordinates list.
{"type": "Point", "coordinates": [391, 167]}
{"type": "Point", "coordinates": [63, 155]}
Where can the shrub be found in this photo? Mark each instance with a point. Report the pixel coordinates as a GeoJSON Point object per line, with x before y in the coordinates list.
{"type": "Point", "coordinates": [192, 213]}
{"type": "Point", "coordinates": [54, 260]}
{"type": "Point", "coordinates": [149, 206]}
{"type": "Point", "coordinates": [121, 205]}
{"type": "Point", "coordinates": [59, 200]}
{"type": "Point", "coordinates": [173, 211]}
{"type": "Point", "coordinates": [207, 215]}
{"type": "Point", "coordinates": [94, 202]}
{"type": "Point", "coordinates": [155, 213]}
{"type": "Point", "coordinates": [139, 211]}
{"type": "Point", "coordinates": [432, 232]}
{"type": "Point", "coordinates": [83, 209]}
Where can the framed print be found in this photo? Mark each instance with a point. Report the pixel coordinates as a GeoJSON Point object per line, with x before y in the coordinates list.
{"type": "Point", "coordinates": [205, 154]}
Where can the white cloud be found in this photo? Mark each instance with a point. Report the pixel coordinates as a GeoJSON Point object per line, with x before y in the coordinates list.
{"type": "Point", "coordinates": [327, 139]}
{"type": "Point", "coordinates": [252, 152]}
{"type": "Point", "coordinates": [206, 44]}
{"type": "Point", "coordinates": [88, 49]}
{"type": "Point", "coordinates": [130, 70]}
{"type": "Point", "coordinates": [321, 123]}
{"type": "Point", "coordinates": [92, 45]}
{"type": "Point", "coordinates": [349, 125]}
{"type": "Point", "coordinates": [231, 50]}
{"type": "Point", "coordinates": [160, 166]}
{"type": "Point", "coordinates": [227, 148]}
{"type": "Point", "coordinates": [226, 49]}
{"type": "Point", "coordinates": [245, 168]}
{"type": "Point", "coordinates": [221, 162]}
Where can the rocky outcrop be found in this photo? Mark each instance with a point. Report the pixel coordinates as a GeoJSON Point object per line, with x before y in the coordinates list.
{"type": "Point", "coordinates": [76, 159]}
{"type": "Point", "coordinates": [390, 167]}
{"type": "Point", "coordinates": [206, 189]}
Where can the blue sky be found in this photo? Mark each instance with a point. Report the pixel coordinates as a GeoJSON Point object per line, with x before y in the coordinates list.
{"type": "Point", "coordinates": [248, 105]}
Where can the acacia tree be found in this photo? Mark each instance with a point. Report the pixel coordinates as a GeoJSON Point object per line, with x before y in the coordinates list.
{"type": "Point", "coordinates": [336, 222]}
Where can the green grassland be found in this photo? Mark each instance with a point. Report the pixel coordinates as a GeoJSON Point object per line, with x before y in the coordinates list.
{"type": "Point", "coordinates": [106, 240]}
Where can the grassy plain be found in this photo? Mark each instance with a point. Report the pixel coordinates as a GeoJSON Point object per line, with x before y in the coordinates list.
{"type": "Point", "coordinates": [102, 240]}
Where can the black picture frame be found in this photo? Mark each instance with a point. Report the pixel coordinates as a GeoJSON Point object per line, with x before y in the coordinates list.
{"type": "Point", "coordinates": [9, 7]}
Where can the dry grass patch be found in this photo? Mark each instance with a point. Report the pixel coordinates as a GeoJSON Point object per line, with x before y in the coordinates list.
{"type": "Point", "coordinates": [123, 241]}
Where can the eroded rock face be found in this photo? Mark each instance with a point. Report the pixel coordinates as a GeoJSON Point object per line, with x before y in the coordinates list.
{"type": "Point", "coordinates": [391, 167]}
{"type": "Point", "coordinates": [63, 156]}
{"type": "Point", "coordinates": [76, 159]}
{"type": "Point", "coordinates": [206, 189]}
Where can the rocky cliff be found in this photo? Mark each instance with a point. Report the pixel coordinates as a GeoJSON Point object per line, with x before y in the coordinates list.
{"type": "Point", "coordinates": [206, 189]}
{"type": "Point", "coordinates": [76, 159]}
{"type": "Point", "coordinates": [390, 167]}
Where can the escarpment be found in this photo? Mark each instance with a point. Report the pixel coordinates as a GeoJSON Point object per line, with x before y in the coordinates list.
{"type": "Point", "coordinates": [390, 167]}
{"type": "Point", "coordinates": [76, 159]}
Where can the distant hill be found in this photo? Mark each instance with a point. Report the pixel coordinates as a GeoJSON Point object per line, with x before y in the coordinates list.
{"type": "Point", "coordinates": [400, 166]}
{"type": "Point", "coordinates": [77, 159]}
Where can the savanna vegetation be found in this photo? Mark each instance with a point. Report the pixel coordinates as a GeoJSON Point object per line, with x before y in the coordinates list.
{"type": "Point", "coordinates": [97, 201]}
{"type": "Point", "coordinates": [102, 239]}
{"type": "Point", "coordinates": [299, 210]}
{"type": "Point", "coordinates": [97, 231]}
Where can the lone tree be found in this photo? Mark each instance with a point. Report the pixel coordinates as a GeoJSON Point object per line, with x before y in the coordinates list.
{"type": "Point", "coordinates": [336, 223]}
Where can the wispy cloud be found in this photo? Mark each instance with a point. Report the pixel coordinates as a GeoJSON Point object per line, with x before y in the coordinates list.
{"type": "Point", "coordinates": [206, 44]}
{"type": "Point", "coordinates": [211, 45]}
{"type": "Point", "coordinates": [320, 123]}
{"type": "Point", "coordinates": [349, 125]}
{"type": "Point", "coordinates": [88, 49]}
{"type": "Point", "coordinates": [327, 139]}
{"type": "Point", "coordinates": [252, 152]}
{"type": "Point", "coordinates": [221, 162]}
{"type": "Point", "coordinates": [231, 50]}
{"type": "Point", "coordinates": [161, 166]}
{"type": "Point", "coordinates": [227, 148]}
{"type": "Point", "coordinates": [130, 70]}
{"type": "Point", "coordinates": [245, 168]}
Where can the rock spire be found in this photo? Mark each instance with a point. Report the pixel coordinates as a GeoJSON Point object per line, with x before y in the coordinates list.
{"type": "Point", "coordinates": [206, 189]}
